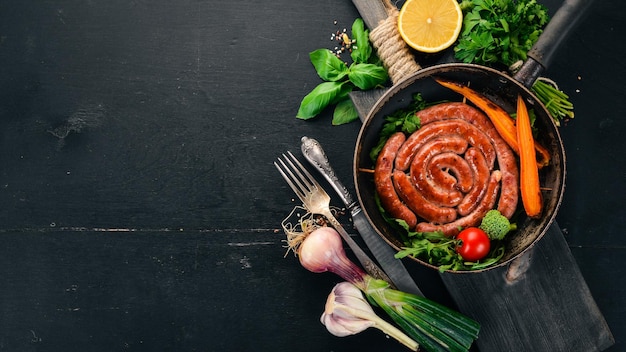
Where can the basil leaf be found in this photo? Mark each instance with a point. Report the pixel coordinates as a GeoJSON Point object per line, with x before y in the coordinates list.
{"type": "Point", "coordinates": [367, 76]}
{"type": "Point", "coordinates": [328, 66]}
{"type": "Point", "coordinates": [320, 97]}
{"type": "Point", "coordinates": [361, 49]}
{"type": "Point", "coordinates": [345, 112]}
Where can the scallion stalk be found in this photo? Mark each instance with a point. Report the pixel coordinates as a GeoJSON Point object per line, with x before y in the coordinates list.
{"type": "Point", "coordinates": [557, 102]}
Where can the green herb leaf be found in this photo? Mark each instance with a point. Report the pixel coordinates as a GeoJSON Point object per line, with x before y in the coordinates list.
{"type": "Point", "coordinates": [361, 50]}
{"type": "Point", "coordinates": [367, 76]}
{"type": "Point", "coordinates": [405, 120]}
{"type": "Point", "coordinates": [320, 97]}
{"type": "Point", "coordinates": [499, 31]}
{"type": "Point", "coordinates": [345, 112]}
{"type": "Point", "coordinates": [366, 72]}
{"type": "Point", "coordinates": [471, 20]}
{"type": "Point", "coordinates": [328, 66]}
{"type": "Point", "coordinates": [477, 48]}
{"type": "Point", "coordinates": [410, 123]}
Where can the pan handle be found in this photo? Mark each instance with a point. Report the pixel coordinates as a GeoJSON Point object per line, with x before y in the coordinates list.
{"type": "Point", "coordinates": [556, 32]}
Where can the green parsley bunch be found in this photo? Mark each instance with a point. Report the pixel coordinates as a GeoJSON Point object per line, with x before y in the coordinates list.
{"type": "Point", "coordinates": [499, 31]}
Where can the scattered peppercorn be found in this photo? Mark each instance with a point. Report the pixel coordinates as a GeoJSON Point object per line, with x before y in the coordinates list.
{"type": "Point", "coordinates": [343, 40]}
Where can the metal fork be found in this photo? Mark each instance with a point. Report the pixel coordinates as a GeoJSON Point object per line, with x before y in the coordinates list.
{"type": "Point", "coordinates": [317, 201]}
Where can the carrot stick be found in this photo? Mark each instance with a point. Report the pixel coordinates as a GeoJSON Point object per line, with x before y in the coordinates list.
{"type": "Point", "coordinates": [501, 120]}
{"type": "Point", "coordinates": [529, 173]}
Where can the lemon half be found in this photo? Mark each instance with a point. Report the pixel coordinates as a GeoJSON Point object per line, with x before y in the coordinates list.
{"type": "Point", "coordinates": [430, 26]}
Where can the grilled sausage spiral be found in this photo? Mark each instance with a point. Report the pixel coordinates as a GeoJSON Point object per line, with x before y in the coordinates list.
{"type": "Point", "coordinates": [449, 173]}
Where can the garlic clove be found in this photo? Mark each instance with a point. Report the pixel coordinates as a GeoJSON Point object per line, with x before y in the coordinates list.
{"type": "Point", "coordinates": [341, 326]}
{"type": "Point", "coordinates": [346, 311]}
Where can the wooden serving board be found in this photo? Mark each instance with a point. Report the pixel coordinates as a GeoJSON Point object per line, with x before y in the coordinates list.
{"type": "Point", "coordinates": [540, 302]}
{"type": "Point", "coordinates": [543, 306]}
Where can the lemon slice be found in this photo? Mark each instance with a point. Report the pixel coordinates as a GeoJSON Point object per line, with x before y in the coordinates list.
{"type": "Point", "coordinates": [430, 26]}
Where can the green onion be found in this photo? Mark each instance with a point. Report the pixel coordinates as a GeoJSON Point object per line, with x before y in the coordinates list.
{"type": "Point", "coordinates": [558, 104]}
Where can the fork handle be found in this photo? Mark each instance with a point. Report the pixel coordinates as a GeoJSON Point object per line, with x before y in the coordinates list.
{"type": "Point", "coordinates": [368, 264]}
{"type": "Point", "coordinates": [314, 153]}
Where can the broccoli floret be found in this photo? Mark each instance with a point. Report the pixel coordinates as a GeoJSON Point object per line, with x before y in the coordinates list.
{"type": "Point", "coordinates": [496, 225]}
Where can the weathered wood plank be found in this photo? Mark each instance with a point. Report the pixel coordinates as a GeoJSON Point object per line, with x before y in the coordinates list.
{"type": "Point", "coordinates": [372, 11]}
{"type": "Point", "coordinates": [146, 220]}
{"type": "Point", "coordinates": [163, 291]}
{"type": "Point", "coordinates": [542, 305]}
{"type": "Point", "coordinates": [364, 100]}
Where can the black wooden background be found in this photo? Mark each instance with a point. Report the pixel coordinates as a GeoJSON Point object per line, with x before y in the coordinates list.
{"type": "Point", "coordinates": [139, 206]}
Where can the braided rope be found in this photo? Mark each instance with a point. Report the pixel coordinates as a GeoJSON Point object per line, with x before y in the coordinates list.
{"type": "Point", "coordinates": [392, 50]}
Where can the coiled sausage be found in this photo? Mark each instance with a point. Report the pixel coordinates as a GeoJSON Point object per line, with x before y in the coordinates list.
{"type": "Point", "coordinates": [449, 173]}
{"type": "Point", "coordinates": [507, 164]}
{"type": "Point", "coordinates": [419, 169]}
{"type": "Point", "coordinates": [420, 205]}
{"type": "Point", "coordinates": [473, 218]}
{"type": "Point", "coordinates": [445, 127]}
{"type": "Point", "coordinates": [480, 171]}
{"type": "Point", "coordinates": [384, 185]}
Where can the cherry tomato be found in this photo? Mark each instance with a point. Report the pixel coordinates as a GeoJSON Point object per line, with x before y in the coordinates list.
{"type": "Point", "coordinates": [474, 244]}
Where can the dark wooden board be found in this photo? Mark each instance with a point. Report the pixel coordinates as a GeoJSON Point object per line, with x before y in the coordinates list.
{"type": "Point", "coordinates": [178, 103]}
{"type": "Point", "coordinates": [155, 291]}
{"type": "Point", "coordinates": [548, 291]}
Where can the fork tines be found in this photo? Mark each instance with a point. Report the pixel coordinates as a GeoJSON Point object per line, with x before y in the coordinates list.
{"type": "Point", "coordinates": [296, 175]}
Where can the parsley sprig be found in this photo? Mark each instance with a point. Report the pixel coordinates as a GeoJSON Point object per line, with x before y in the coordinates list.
{"type": "Point", "coordinates": [499, 31]}
{"type": "Point", "coordinates": [405, 120]}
